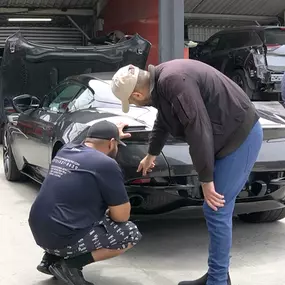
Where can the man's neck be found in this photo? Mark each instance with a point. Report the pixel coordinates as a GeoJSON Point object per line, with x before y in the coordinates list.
{"type": "Point", "coordinates": [95, 147]}
{"type": "Point", "coordinates": [151, 70]}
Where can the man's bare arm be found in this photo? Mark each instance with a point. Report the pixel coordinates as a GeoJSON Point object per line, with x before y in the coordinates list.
{"type": "Point", "coordinates": [120, 213]}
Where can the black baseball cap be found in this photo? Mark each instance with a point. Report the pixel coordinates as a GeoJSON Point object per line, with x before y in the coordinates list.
{"type": "Point", "coordinates": [104, 130]}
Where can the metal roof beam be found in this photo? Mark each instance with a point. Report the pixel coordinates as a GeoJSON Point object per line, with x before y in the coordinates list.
{"type": "Point", "coordinates": [230, 17]}
{"type": "Point", "coordinates": [47, 12]}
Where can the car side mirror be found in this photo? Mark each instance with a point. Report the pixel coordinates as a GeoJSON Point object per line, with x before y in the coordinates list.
{"type": "Point", "coordinates": [25, 102]}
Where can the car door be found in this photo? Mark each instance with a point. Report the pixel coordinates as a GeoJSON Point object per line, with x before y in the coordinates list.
{"type": "Point", "coordinates": [42, 123]}
{"type": "Point", "coordinates": [207, 52]}
{"type": "Point", "coordinates": [220, 52]}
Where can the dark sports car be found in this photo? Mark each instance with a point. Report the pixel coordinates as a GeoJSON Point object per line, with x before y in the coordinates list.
{"type": "Point", "coordinates": [35, 133]}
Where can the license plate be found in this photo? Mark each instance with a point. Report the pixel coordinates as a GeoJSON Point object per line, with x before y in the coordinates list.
{"type": "Point", "coordinates": [276, 77]}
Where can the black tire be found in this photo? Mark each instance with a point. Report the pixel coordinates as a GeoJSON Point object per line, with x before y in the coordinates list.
{"type": "Point", "coordinates": [238, 76]}
{"type": "Point", "coordinates": [264, 217]}
{"type": "Point", "coordinates": [11, 170]}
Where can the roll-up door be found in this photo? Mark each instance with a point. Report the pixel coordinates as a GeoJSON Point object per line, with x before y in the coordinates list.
{"type": "Point", "coordinates": [201, 34]}
{"type": "Point", "coordinates": [44, 35]}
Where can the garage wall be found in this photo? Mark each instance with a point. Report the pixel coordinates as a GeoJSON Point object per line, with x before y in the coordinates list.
{"type": "Point", "coordinates": [44, 35]}
{"type": "Point", "coordinates": [135, 17]}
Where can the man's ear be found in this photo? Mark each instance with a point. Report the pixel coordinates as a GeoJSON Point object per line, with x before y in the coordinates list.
{"type": "Point", "coordinates": [111, 143]}
{"type": "Point", "coordinates": [137, 95]}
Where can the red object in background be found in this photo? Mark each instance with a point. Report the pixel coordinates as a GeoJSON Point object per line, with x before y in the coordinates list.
{"type": "Point", "coordinates": [130, 17]}
{"type": "Point", "coordinates": [186, 53]}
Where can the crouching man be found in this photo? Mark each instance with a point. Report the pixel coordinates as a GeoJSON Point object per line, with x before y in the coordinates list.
{"type": "Point", "coordinates": [81, 213]}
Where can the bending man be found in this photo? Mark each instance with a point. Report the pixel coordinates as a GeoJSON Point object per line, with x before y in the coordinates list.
{"type": "Point", "coordinates": [222, 128]}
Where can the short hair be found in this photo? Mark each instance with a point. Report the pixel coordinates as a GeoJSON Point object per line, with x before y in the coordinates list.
{"type": "Point", "coordinates": [142, 80]}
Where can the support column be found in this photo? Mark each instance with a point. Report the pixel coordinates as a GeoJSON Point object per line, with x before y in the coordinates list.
{"type": "Point", "coordinates": [171, 29]}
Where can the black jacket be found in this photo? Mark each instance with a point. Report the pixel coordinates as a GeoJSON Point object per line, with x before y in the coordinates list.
{"type": "Point", "coordinates": [203, 106]}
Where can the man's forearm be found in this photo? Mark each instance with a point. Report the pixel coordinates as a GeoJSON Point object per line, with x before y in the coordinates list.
{"type": "Point", "coordinates": [157, 143]}
{"type": "Point", "coordinates": [157, 137]}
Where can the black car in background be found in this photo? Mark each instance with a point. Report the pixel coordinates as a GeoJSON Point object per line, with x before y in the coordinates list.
{"type": "Point", "coordinates": [253, 57]}
{"type": "Point", "coordinates": [34, 69]}
{"type": "Point", "coordinates": [36, 131]}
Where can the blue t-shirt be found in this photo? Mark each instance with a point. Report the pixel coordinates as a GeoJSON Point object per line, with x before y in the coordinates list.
{"type": "Point", "coordinates": [82, 182]}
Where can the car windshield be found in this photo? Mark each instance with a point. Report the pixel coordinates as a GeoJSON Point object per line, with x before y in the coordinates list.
{"type": "Point", "coordinates": [103, 92]}
{"type": "Point", "coordinates": [275, 36]}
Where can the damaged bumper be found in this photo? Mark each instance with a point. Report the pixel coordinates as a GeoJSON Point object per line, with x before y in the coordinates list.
{"type": "Point", "coordinates": [268, 73]}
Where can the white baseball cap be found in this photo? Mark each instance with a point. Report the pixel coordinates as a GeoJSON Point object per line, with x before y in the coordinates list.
{"type": "Point", "coordinates": [123, 84]}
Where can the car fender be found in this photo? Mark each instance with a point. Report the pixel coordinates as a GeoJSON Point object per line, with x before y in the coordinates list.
{"type": "Point", "coordinates": [8, 129]}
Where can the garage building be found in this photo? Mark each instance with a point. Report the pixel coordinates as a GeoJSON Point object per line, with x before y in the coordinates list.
{"type": "Point", "coordinates": [74, 22]}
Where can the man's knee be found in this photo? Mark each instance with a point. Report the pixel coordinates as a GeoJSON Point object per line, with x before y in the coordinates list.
{"type": "Point", "coordinates": [223, 215]}
{"type": "Point", "coordinates": [135, 235]}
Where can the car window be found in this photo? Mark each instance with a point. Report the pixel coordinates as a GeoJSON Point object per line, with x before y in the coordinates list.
{"type": "Point", "coordinates": [103, 93]}
{"type": "Point", "coordinates": [249, 38]}
{"type": "Point", "coordinates": [83, 101]}
{"type": "Point", "coordinates": [211, 44]}
{"type": "Point", "coordinates": [275, 36]}
{"type": "Point", "coordinates": [59, 99]}
{"type": "Point", "coordinates": [239, 39]}
{"type": "Point", "coordinates": [100, 96]}
{"type": "Point", "coordinates": [254, 39]}
{"type": "Point", "coordinates": [233, 40]}
{"type": "Point", "coordinates": [224, 43]}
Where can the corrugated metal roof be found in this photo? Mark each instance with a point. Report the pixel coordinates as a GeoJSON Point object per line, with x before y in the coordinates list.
{"type": "Point", "coordinates": [242, 7]}
{"type": "Point", "coordinates": [216, 23]}
{"type": "Point", "coordinates": [71, 4]}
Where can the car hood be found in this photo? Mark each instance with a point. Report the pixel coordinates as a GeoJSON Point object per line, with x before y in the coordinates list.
{"type": "Point", "coordinates": [272, 117]}
{"type": "Point", "coordinates": [136, 117]}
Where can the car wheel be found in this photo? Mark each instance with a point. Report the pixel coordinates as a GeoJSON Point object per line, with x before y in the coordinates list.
{"type": "Point", "coordinates": [238, 76]}
{"type": "Point", "coordinates": [264, 217]}
{"type": "Point", "coordinates": [11, 170]}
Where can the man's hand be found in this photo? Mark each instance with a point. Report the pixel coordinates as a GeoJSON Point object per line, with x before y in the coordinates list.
{"type": "Point", "coordinates": [147, 164]}
{"type": "Point", "coordinates": [212, 198]}
{"type": "Point", "coordinates": [123, 135]}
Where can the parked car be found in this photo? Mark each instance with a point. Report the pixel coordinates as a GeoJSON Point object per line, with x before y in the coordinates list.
{"type": "Point", "coordinates": [35, 133]}
{"type": "Point", "coordinates": [253, 57]}
{"type": "Point", "coordinates": [34, 69]}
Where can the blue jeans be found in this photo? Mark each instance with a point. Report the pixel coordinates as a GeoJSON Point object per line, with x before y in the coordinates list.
{"type": "Point", "coordinates": [231, 174]}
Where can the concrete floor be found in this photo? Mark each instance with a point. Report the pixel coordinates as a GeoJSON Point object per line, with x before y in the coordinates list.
{"type": "Point", "coordinates": [168, 253]}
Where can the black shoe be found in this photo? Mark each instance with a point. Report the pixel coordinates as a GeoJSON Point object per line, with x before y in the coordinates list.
{"type": "Point", "coordinates": [47, 260]}
{"type": "Point", "coordinates": [70, 276]}
{"type": "Point", "coordinates": [202, 281]}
